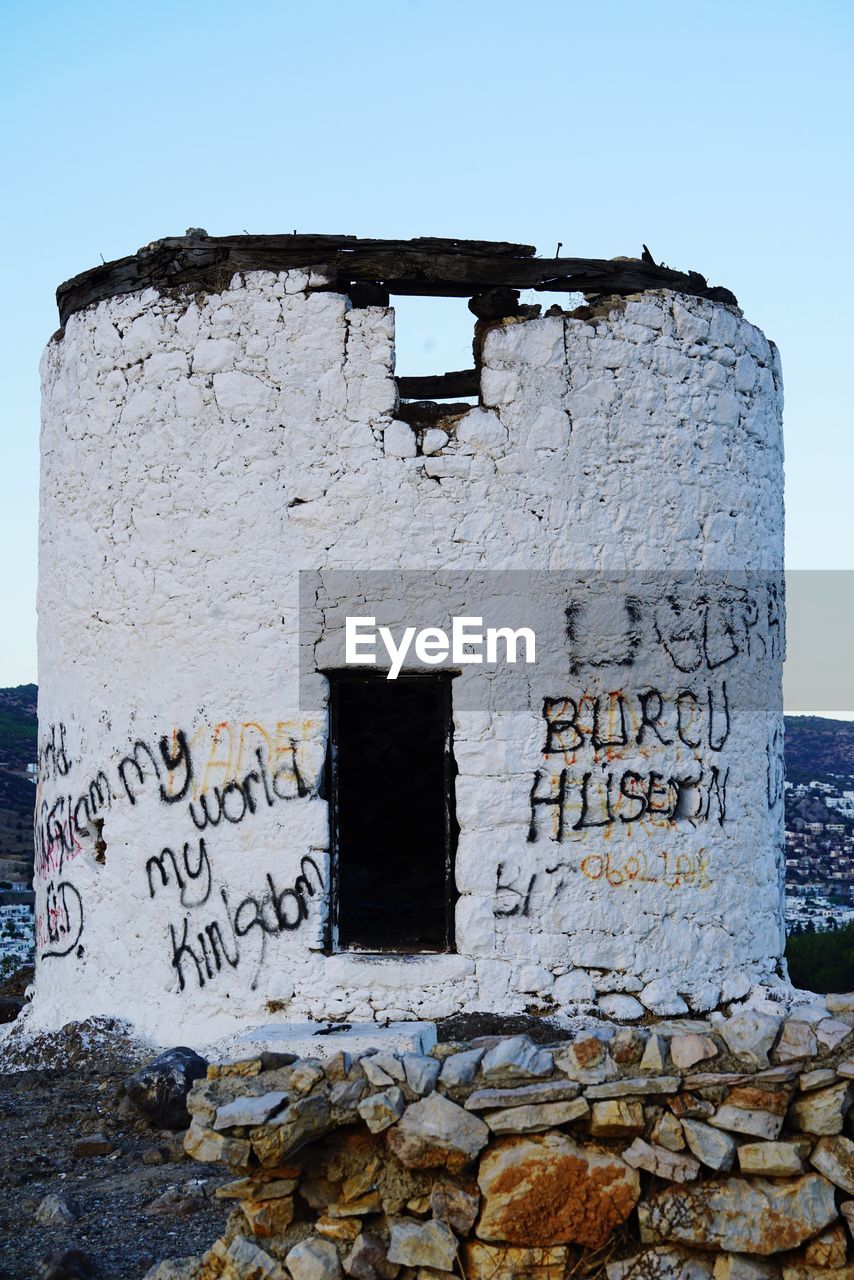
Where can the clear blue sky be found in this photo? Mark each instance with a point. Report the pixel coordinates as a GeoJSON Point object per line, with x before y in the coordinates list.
{"type": "Point", "coordinates": [719, 134]}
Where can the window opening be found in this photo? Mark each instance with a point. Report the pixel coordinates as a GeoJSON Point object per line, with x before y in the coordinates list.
{"type": "Point", "coordinates": [393, 826]}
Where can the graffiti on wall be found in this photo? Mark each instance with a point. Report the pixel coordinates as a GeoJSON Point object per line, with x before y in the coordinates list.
{"type": "Point", "coordinates": [189, 775]}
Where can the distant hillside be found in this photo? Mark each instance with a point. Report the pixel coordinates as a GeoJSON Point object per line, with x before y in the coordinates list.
{"type": "Point", "coordinates": [18, 735]}
{"type": "Point", "coordinates": [816, 748]}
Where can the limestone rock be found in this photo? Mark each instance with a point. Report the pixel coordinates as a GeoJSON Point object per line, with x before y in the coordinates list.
{"type": "Point", "coordinates": [758, 1216]}
{"type": "Point", "coordinates": [752, 1110]}
{"type": "Point", "coordinates": [661, 1162]}
{"type": "Point", "coordinates": [819, 1273]}
{"type": "Point", "coordinates": [381, 1110]}
{"type": "Point", "coordinates": [548, 1190]}
{"type": "Point", "coordinates": [422, 1244]}
{"type": "Point", "coordinates": [375, 1072]}
{"type": "Point", "coordinates": [455, 1205]}
{"type": "Point", "coordinates": [665, 1263]}
{"type": "Point", "coordinates": [57, 1211]}
{"type": "Point", "coordinates": [831, 1033]}
{"type": "Point", "coordinates": [712, 1148]}
{"type": "Point", "coordinates": [535, 1119]}
{"type": "Point", "coordinates": [616, 1118]}
{"type": "Point", "coordinates": [524, 1095]}
{"type": "Point", "coordinates": [771, 1159]}
{"type": "Point", "coordinates": [268, 1217]}
{"type": "Point", "coordinates": [822, 1112]}
{"type": "Point", "coordinates": [847, 1211]}
{"type": "Point", "coordinates": [314, 1259]}
{"type": "Point", "coordinates": [751, 1034]}
{"type": "Point", "coordinates": [436, 1133]}
{"type": "Point", "coordinates": [159, 1089]}
{"type": "Point", "coordinates": [840, 1003]}
{"type": "Point", "coordinates": [654, 1055]}
{"type": "Point", "coordinates": [245, 1260]}
{"type": "Point", "coordinates": [740, 1266]}
{"type": "Point", "coordinates": [829, 1249]}
{"type": "Point", "coordinates": [208, 1146]}
{"type": "Point", "coordinates": [628, 1046]}
{"type": "Point", "coordinates": [421, 1073]}
{"type": "Point", "coordinates": [797, 1042]}
{"type": "Point", "coordinates": [303, 1121]}
{"type": "Point", "coordinates": [621, 1008]}
{"type": "Point", "coordinates": [461, 1068]}
{"type": "Point", "coordinates": [662, 998]}
{"type": "Point", "coordinates": [250, 1111]}
{"type": "Point", "coordinates": [368, 1259]}
{"type": "Point", "coordinates": [516, 1057]}
{"type": "Point", "coordinates": [816, 1079]}
{"type": "Point", "coordinates": [667, 1132]}
{"type": "Point", "coordinates": [686, 1051]}
{"type": "Point", "coordinates": [639, 1086]}
{"type": "Point", "coordinates": [846, 1069]}
{"type": "Point", "coordinates": [834, 1157]}
{"type": "Point", "coordinates": [512, 1262]}
{"type": "Point", "coordinates": [587, 1061]}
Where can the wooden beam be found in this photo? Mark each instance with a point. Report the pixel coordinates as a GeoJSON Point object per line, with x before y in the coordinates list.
{"type": "Point", "coordinates": [443, 268]}
{"type": "Point", "coordinates": [441, 386]}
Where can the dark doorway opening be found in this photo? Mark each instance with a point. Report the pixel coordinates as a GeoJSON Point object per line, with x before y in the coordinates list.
{"type": "Point", "coordinates": [393, 826]}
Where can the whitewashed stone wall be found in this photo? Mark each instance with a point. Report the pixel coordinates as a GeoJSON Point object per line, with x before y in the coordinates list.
{"type": "Point", "coordinates": [197, 453]}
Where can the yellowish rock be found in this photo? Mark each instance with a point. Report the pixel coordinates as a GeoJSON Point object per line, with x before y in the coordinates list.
{"type": "Point", "coordinates": [616, 1118]}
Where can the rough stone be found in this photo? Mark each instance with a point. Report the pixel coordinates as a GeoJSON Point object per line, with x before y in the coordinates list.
{"type": "Point", "coordinates": [622, 1008]}
{"type": "Point", "coordinates": [616, 1118]}
{"type": "Point", "coordinates": [741, 1266]}
{"type": "Point", "coordinates": [513, 1262]}
{"type": "Point", "coordinates": [516, 1058]}
{"type": "Point", "coordinates": [757, 1216]}
{"type": "Point", "coordinates": [816, 1079]}
{"type": "Point", "coordinates": [208, 1146]}
{"type": "Point", "coordinates": [314, 1259]}
{"type": "Point", "coordinates": [797, 1042]}
{"type": "Point", "coordinates": [303, 1121]}
{"type": "Point", "coordinates": [534, 1119]}
{"type": "Point", "coordinates": [422, 1244]}
{"type": "Point", "coordinates": [246, 1260]}
{"type": "Point", "coordinates": [461, 1068]}
{"type": "Point", "coordinates": [748, 1120]}
{"type": "Point", "coordinates": [523, 1096]}
{"type": "Point", "coordinates": [771, 1159]}
{"type": "Point", "coordinates": [686, 1051]}
{"type": "Point", "coordinates": [159, 1089]}
{"type": "Point", "coordinates": [829, 1249]}
{"type": "Point", "coordinates": [381, 1110]}
{"type": "Point", "coordinates": [834, 1157]}
{"type": "Point", "coordinates": [822, 1112]}
{"type": "Point", "coordinates": [712, 1148]}
{"type": "Point", "coordinates": [644, 1086]}
{"type": "Point", "coordinates": [662, 999]}
{"type": "Point", "coordinates": [664, 1263]}
{"type": "Point", "coordinates": [268, 1217]}
{"type": "Point", "coordinates": [368, 1259]}
{"type": "Point", "coordinates": [667, 1132]}
{"type": "Point", "coordinates": [751, 1034]}
{"type": "Point", "coordinates": [435, 1133]}
{"type": "Point", "coordinates": [840, 1002]}
{"type": "Point", "coordinates": [57, 1211]}
{"type": "Point", "coordinates": [654, 1058]}
{"type": "Point", "coordinates": [250, 1111]}
{"type": "Point", "coordinates": [421, 1073]}
{"type": "Point", "coordinates": [455, 1205]}
{"type": "Point", "coordinates": [831, 1033]}
{"type": "Point", "coordinates": [549, 1190]}
{"type": "Point", "coordinates": [661, 1162]}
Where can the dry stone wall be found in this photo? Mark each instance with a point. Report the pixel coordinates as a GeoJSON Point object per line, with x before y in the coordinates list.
{"type": "Point", "coordinates": [682, 1149]}
{"type": "Point", "coordinates": [197, 452]}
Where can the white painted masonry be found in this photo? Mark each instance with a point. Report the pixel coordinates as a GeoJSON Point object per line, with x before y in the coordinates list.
{"type": "Point", "coordinates": [196, 453]}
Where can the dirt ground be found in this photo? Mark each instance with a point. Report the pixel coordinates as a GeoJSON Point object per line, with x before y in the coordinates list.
{"type": "Point", "coordinates": [45, 1114]}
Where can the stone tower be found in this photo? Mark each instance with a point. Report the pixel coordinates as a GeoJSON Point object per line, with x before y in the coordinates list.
{"type": "Point", "coordinates": [234, 827]}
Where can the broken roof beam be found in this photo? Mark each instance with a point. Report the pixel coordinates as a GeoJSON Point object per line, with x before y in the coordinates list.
{"type": "Point", "coordinates": [442, 268]}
